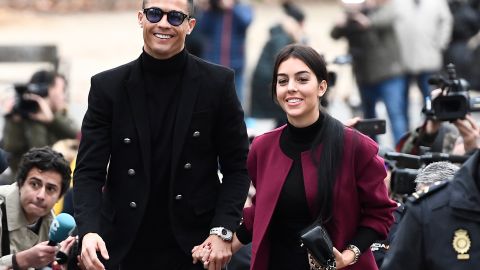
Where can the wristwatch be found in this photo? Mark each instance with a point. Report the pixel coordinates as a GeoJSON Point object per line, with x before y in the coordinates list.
{"type": "Point", "coordinates": [224, 233]}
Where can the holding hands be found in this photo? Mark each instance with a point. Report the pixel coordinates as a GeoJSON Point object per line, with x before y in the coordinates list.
{"type": "Point", "coordinates": [214, 253]}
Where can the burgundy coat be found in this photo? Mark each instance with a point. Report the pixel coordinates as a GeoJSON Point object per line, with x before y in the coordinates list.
{"type": "Point", "coordinates": [360, 198]}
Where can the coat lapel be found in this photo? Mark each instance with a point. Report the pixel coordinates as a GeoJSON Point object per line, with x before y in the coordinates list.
{"type": "Point", "coordinates": [188, 96]}
{"type": "Point", "coordinates": [138, 100]}
{"type": "Point", "coordinates": [273, 180]}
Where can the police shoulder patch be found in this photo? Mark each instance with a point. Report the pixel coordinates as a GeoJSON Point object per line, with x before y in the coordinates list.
{"type": "Point", "coordinates": [427, 191]}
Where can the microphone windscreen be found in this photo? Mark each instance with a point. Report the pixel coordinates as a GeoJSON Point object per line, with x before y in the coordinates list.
{"type": "Point", "coordinates": [61, 227]}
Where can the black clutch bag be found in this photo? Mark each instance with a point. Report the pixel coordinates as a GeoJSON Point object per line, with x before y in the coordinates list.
{"type": "Point", "coordinates": [320, 248]}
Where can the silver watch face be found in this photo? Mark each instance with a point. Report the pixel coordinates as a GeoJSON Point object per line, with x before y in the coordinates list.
{"type": "Point", "coordinates": [226, 234]}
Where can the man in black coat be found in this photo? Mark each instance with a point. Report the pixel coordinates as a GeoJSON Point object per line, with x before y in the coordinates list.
{"type": "Point", "coordinates": [441, 227]}
{"type": "Point", "coordinates": [155, 134]}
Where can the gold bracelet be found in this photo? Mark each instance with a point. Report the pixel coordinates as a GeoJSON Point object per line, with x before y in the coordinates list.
{"type": "Point", "coordinates": [356, 251]}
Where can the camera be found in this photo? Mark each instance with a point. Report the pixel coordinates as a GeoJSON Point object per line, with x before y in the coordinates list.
{"type": "Point", "coordinates": [454, 102]}
{"type": "Point", "coordinates": [24, 106]}
{"type": "Point", "coordinates": [406, 168]}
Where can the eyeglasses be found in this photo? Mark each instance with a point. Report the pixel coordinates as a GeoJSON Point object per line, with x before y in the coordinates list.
{"type": "Point", "coordinates": [175, 18]}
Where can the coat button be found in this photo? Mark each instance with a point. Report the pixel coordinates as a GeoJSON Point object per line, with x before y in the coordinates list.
{"type": "Point", "coordinates": [196, 134]}
{"type": "Point", "coordinates": [178, 197]}
{"type": "Point", "coordinates": [133, 205]}
{"type": "Point", "coordinates": [187, 166]}
{"type": "Point", "coordinates": [127, 141]}
{"type": "Point", "coordinates": [131, 172]}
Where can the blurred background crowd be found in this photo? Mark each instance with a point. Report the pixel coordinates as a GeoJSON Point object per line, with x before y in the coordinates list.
{"type": "Point", "coordinates": [381, 54]}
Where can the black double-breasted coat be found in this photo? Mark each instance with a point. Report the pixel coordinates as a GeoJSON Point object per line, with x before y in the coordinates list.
{"type": "Point", "coordinates": [112, 176]}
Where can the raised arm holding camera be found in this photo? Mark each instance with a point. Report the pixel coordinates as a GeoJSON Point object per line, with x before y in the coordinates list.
{"type": "Point", "coordinates": [38, 117]}
{"type": "Point", "coordinates": [451, 103]}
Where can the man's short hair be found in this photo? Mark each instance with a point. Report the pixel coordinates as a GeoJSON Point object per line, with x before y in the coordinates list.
{"type": "Point", "coordinates": [191, 6]}
{"type": "Point", "coordinates": [45, 159]}
{"type": "Point", "coordinates": [434, 172]}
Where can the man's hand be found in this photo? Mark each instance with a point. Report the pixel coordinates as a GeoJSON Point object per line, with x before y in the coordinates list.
{"type": "Point", "coordinates": [44, 113]}
{"type": "Point", "coordinates": [36, 257]}
{"type": "Point", "coordinates": [469, 131]}
{"type": "Point", "coordinates": [220, 252]}
{"type": "Point", "coordinates": [92, 243]}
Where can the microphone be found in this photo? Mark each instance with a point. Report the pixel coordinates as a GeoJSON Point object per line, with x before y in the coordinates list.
{"type": "Point", "coordinates": [61, 227]}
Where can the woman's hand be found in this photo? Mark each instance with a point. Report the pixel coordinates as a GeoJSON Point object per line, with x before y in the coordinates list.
{"type": "Point", "coordinates": [236, 244]}
{"type": "Point", "coordinates": [343, 259]}
{"type": "Point", "coordinates": [201, 253]}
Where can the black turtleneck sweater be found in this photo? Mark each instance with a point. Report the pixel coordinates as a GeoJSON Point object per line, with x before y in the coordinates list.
{"type": "Point", "coordinates": [162, 88]}
{"type": "Point", "coordinates": [291, 213]}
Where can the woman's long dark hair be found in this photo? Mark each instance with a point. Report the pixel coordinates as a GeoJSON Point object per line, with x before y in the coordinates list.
{"type": "Point", "coordinates": [330, 136]}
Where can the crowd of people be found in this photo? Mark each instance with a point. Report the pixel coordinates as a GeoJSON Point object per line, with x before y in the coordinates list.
{"type": "Point", "coordinates": [166, 178]}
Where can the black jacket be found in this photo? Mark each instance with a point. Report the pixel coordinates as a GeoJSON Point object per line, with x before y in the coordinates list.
{"type": "Point", "coordinates": [112, 177]}
{"type": "Point", "coordinates": [441, 228]}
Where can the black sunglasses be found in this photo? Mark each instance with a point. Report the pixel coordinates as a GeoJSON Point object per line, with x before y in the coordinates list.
{"type": "Point", "coordinates": [175, 18]}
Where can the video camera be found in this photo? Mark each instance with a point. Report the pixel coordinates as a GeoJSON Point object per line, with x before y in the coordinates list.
{"type": "Point", "coordinates": [406, 168]}
{"type": "Point", "coordinates": [24, 106]}
{"type": "Point", "coordinates": [454, 102]}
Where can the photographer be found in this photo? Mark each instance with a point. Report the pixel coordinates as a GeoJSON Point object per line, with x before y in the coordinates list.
{"type": "Point", "coordinates": [441, 136]}
{"type": "Point", "coordinates": [39, 116]}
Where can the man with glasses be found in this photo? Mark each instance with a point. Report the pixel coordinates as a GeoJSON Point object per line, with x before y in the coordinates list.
{"type": "Point", "coordinates": [153, 138]}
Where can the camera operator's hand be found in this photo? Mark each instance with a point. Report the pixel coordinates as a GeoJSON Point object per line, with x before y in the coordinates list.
{"type": "Point", "coordinates": [44, 113]}
{"type": "Point", "coordinates": [352, 121]}
{"type": "Point", "coordinates": [432, 126]}
{"type": "Point", "coordinates": [361, 19]}
{"type": "Point", "coordinates": [469, 131]}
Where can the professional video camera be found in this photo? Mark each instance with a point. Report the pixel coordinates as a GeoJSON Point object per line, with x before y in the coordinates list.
{"type": "Point", "coordinates": [24, 106]}
{"type": "Point", "coordinates": [406, 167]}
{"type": "Point", "coordinates": [454, 102]}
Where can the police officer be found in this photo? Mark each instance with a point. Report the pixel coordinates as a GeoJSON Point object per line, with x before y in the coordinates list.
{"type": "Point", "coordinates": [441, 226]}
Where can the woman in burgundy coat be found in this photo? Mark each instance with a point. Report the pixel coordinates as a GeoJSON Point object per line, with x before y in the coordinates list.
{"type": "Point", "coordinates": [311, 168]}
